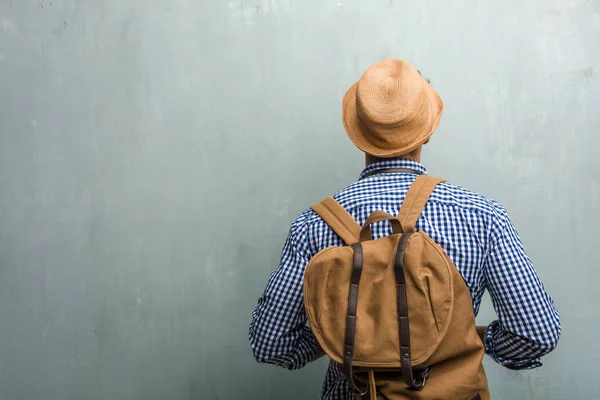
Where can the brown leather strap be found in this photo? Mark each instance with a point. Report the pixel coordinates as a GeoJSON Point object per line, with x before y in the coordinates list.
{"type": "Point", "coordinates": [338, 219]}
{"type": "Point", "coordinates": [415, 201]}
{"type": "Point", "coordinates": [357, 266]}
{"type": "Point", "coordinates": [403, 323]}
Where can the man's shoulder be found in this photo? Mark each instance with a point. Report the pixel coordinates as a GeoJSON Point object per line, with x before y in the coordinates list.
{"type": "Point", "coordinates": [452, 195]}
{"type": "Point", "coordinates": [447, 196]}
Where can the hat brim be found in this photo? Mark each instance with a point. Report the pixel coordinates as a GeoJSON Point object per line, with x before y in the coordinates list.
{"type": "Point", "coordinates": [359, 135]}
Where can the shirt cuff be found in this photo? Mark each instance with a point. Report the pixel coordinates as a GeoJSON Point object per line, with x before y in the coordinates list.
{"type": "Point", "coordinates": [504, 348]}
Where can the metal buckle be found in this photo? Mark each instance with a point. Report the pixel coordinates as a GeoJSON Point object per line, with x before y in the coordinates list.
{"type": "Point", "coordinates": [357, 392]}
{"type": "Point", "coordinates": [424, 376]}
{"type": "Point", "coordinates": [360, 395]}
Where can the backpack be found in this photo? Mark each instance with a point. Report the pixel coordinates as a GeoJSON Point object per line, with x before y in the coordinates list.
{"type": "Point", "coordinates": [394, 313]}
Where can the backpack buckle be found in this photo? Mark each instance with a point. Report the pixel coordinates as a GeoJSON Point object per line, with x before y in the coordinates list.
{"type": "Point", "coordinates": [358, 391]}
{"type": "Point", "coordinates": [424, 375]}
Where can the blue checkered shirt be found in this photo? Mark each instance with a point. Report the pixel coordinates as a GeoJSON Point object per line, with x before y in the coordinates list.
{"type": "Point", "coordinates": [475, 231]}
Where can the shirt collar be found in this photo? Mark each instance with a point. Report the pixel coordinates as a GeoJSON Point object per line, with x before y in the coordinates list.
{"type": "Point", "coordinates": [394, 163]}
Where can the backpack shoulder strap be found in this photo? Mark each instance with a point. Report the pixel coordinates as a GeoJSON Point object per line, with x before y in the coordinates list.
{"type": "Point", "coordinates": [338, 219]}
{"type": "Point", "coordinates": [415, 201]}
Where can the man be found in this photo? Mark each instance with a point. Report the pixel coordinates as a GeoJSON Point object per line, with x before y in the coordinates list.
{"type": "Point", "coordinates": [389, 114]}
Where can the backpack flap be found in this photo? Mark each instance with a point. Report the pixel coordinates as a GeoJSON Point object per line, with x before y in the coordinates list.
{"type": "Point", "coordinates": [429, 291]}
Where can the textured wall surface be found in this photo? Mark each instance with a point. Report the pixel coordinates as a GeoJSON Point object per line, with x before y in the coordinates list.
{"type": "Point", "coordinates": [154, 153]}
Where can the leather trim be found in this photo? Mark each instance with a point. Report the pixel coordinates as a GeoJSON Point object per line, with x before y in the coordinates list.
{"type": "Point", "coordinates": [357, 266]}
{"type": "Point", "coordinates": [403, 322]}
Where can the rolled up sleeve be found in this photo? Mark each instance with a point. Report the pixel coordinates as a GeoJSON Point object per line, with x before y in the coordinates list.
{"type": "Point", "coordinates": [528, 325]}
{"type": "Point", "coordinates": [279, 333]}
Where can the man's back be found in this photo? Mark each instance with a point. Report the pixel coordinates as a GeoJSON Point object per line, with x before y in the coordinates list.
{"type": "Point", "coordinates": [389, 114]}
{"type": "Point", "coordinates": [475, 232]}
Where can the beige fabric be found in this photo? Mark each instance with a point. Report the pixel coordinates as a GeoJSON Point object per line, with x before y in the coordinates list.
{"type": "Point", "coordinates": [442, 322]}
{"type": "Point", "coordinates": [338, 219]}
{"type": "Point", "coordinates": [415, 200]}
{"type": "Point", "coordinates": [391, 110]}
{"type": "Point", "coordinates": [365, 232]}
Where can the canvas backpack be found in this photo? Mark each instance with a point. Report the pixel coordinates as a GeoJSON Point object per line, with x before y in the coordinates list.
{"type": "Point", "coordinates": [394, 313]}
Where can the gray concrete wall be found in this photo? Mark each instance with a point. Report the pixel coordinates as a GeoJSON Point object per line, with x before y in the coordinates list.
{"type": "Point", "coordinates": [153, 154]}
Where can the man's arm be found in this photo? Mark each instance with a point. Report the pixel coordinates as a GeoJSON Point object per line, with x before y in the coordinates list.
{"type": "Point", "coordinates": [279, 333]}
{"type": "Point", "coordinates": [528, 325]}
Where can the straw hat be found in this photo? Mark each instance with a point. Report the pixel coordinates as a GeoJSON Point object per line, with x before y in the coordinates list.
{"type": "Point", "coordinates": [391, 110]}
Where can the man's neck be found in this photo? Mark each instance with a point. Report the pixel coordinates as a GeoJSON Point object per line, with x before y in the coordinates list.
{"type": "Point", "coordinates": [415, 156]}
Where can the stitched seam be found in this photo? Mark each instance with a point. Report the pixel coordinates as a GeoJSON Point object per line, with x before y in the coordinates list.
{"type": "Point", "coordinates": [311, 316]}
{"type": "Point", "coordinates": [413, 204]}
{"type": "Point", "coordinates": [442, 334]}
{"type": "Point", "coordinates": [340, 221]}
